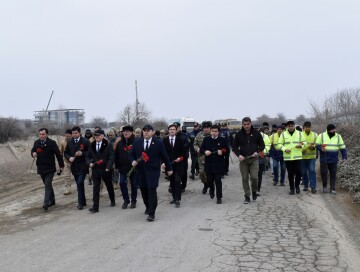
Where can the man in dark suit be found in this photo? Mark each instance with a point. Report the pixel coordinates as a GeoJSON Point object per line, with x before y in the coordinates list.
{"type": "Point", "coordinates": [176, 150]}
{"type": "Point", "coordinates": [75, 152]}
{"type": "Point", "coordinates": [148, 171]}
{"type": "Point", "coordinates": [214, 148]}
{"type": "Point", "coordinates": [100, 159]}
{"type": "Point", "coordinates": [45, 150]}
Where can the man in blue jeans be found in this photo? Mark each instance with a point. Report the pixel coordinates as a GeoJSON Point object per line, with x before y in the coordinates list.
{"type": "Point", "coordinates": [123, 164]}
{"type": "Point", "coordinates": [277, 157]}
{"type": "Point", "coordinates": [309, 158]}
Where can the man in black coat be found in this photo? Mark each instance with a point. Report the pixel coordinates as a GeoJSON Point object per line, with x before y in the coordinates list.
{"type": "Point", "coordinates": [75, 152]}
{"type": "Point", "coordinates": [214, 148]}
{"type": "Point", "coordinates": [123, 165]}
{"type": "Point", "coordinates": [248, 143]}
{"type": "Point", "coordinates": [148, 171]}
{"type": "Point", "coordinates": [176, 150]}
{"type": "Point", "coordinates": [100, 159]}
{"type": "Point", "coordinates": [45, 150]}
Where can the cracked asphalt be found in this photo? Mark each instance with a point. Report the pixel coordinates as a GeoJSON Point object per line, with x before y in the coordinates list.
{"type": "Point", "coordinates": [278, 232]}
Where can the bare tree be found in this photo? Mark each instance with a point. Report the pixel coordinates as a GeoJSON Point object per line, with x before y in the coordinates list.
{"type": "Point", "coordinates": [300, 119]}
{"type": "Point", "coordinates": [10, 129]}
{"type": "Point", "coordinates": [130, 116]}
{"type": "Point", "coordinates": [98, 121]}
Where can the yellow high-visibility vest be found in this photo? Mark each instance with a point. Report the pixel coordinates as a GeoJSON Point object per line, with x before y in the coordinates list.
{"type": "Point", "coordinates": [288, 141]}
{"type": "Point", "coordinates": [310, 140]}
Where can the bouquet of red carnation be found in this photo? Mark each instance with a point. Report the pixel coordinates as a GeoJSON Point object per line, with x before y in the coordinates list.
{"type": "Point", "coordinates": [82, 147]}
{"type": "Point", "coordinates": [39, 150]}
{"type": "Point", "coordinates": [100, 162]}
{"type": "Point", "coordinates": [127, 148]}
{"type": "Point", "coordinates": [261, 154]}
{"type": "Point", "coordinates": [181, 159]}
{"type": "Point", "coordinates": [144, 157]}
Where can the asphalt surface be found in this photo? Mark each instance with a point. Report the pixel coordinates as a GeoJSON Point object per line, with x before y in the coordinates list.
{"type": "Point", "coordinates": [278, 232]}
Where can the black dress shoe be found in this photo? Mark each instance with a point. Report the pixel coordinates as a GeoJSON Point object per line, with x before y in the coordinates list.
{"type": "Point", "coordinates": [93, 210]}
{"type": "Point", "coordinates": [291, 192]}
{"type": "Point", "coordinates": [112, 204]}
{"type": "Point", "coordinates": [297, 190]}
{"type": "Point", "coordinates": [172, 201]}
{"type": "Point", "coordinates": [254, 196]}
{"type": "Point", "coordinates": [80, 207]}
{"type": "Point", "coordinates": [204, 190]}
{"type": "Point", "coordinates": [177, 204]}
{"type": "Point", "coordinates": [212, 195]}
{"type": "Point", "coordinates": [218, 201]}
{"type": "Point", "coordinates": [133, 205]}
{"type": "Point", "coordinates": [125, 204]}
{"type": "Point", "coordinates": [45, 207]}
{"type": "Point", "coordinates": [150, 218]}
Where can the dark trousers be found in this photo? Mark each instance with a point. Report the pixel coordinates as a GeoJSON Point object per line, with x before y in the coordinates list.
{"type": "Point", "coordinates": [150, 199]}
{"type": "Point", "coordinates": [294, 169]}
{"type": "Point", "coordinates": [184, 174]}
{"type": "Point", "coordinates": [49, 191]}
{"type": "Point", "coordinates": [194, 163]}
{"type": "Point", "coordinates": [332, 167]}
{"type": "Point", "coordinates": [214, 180]}
{"type": "Point", "coordinates": [124, 187]}
{"type": "Point", "coordinates": [227, 160]}
{"type": "Point", "coordinates": [175, 184]}
{"type": "Point", "coordinates": [107, 177]}
{"type": "Point", "coordinates": [260, 175]}
{"type": "Point", "coordinates": [79, 179]}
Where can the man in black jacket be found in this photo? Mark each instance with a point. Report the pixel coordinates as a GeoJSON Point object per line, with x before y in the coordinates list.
{"type": "Point", "coordinates": [248, 143]}
{"type": "Point", "coordinates": [44, 150]}
{"type": "Point", "coordinates": [100, 159]}
{"type": "Point", "coordinates": [75, 152]}
{"type": "Point", "coordinates": [176, 150]}
{"type": "Point", "coordinates": [214, 148]}
{"type": "Point", "coordinates": [123, 165]}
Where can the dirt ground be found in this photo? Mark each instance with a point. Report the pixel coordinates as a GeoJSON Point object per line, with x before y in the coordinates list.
{"type": "Point", "coordinates": [22, 192]}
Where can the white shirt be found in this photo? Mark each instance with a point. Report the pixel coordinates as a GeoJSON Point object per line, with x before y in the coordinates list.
{"type": "Point", "coordinates": [172, 137]}
{"type": "Point", "coordinates": [148, 144]}
{"type": "Point", "coordinates": [98, 146]}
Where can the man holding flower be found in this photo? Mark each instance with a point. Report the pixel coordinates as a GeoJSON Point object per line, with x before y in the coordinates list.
{"type": "Point", "coordinates": [147, 155]}
{"type": "Point", "coordinates": [101, 159]}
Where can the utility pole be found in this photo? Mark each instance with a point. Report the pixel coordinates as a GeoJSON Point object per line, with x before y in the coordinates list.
{"type": "Point", "coordinates": [137, 102]}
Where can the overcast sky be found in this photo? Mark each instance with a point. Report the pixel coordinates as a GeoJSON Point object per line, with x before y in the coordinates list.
{"type": "Point", "coordinates": [202, 58]}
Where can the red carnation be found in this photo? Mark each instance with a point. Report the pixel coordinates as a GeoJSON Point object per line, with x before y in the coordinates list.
{"type": "Point", "coordinates": [100, 162]}
{"type": "Point", "coordinates": [223, 150]}
{"type": "Point", "coordinates": [145, 156]}
{"type": "Point", "coordinates": [39, 150]}
{"type": "Point", "coordinates": [181, 158]}
{"type": "Point", "coordinates": [82, 147]}
{"type": "Point", "coordinates": [261, 154]}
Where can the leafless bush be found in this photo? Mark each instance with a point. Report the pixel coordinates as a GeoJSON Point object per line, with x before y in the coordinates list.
{"type": "Point", "coordinates": [134, 116]}
{"type": "Point", "coordinates": [10, 128]}
{"type": "Point", "coordinates": [98, 121]}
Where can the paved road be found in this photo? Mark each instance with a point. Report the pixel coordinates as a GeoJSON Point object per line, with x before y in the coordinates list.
{"type": "Point", "coordinates": [278, 232]}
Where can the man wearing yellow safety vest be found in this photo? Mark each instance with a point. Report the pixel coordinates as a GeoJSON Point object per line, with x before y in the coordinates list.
{"type": "Point", "coordinates": [309, 158]}
{"type": "Point", "coordinates": [292, 143]}
{"type": "Point", "coordinates": [330, 143]}
{"type": "Point", "coordinates": [277, 157]}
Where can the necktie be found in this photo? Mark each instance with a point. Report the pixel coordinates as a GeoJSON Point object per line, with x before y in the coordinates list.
{"type": "Point", "coordinates": [172, 142]}
{"type": "Point", "coordinates": [42, 142]}
{"type": "Point", "coordinates": [76, 140]}
{"type": "Point", "coordinates": [147, 146]}
{"type": "Point", "coordinates": [98, 147]}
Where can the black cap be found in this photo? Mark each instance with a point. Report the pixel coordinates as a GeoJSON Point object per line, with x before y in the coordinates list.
{"type": "Point", "coordinates": [290, 122]}
{"type": "Point", "coordinates": [330, 127]}
{"type": "Point", "coordinates": [148, 127]}
{"type": "Point", "coordinates": [128, 128]}
{"type": "Point", "coordinates": [307, 124]}
{"type": "Point", "coordinates": [87, 131]}
{"type": "Point", "coordinates": [196, 124]}
{"type": "Point", "coordinates": [177, 124]}
{"type": "Point", "coordinates": [99, 132]}
{"type": "Point", "coordinates": [280, 126]}
{"type": "Point", "coordinates": [206, 124]}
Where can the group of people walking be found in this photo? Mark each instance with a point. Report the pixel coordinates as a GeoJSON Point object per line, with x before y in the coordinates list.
{"type": "Point", "coordinates": [136, 160]}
